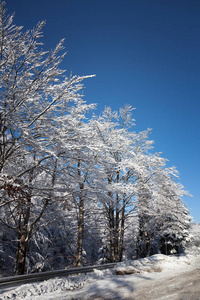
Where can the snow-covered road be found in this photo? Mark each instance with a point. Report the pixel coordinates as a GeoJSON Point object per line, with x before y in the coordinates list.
{"type": "Point", "coordinates": [157, 277]}
{"type": "Point", "coordinates": [185, 286]}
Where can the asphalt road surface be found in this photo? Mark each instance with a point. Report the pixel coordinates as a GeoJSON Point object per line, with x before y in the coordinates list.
{"type": "Point", "coordinates": [182, 286]}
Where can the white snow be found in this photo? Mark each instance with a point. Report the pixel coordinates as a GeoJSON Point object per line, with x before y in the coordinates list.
{"type": "Point", "coordinates": [105, 283]}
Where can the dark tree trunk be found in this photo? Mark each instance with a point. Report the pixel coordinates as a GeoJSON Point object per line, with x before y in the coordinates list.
{"type": "Point", "coordinates": [22, 255]}
{"type": "Point", "coordinates": [116, 231]}
{"type": "Point", "coordinates": [18, 246]}
{"type": "Point", "coordinates": [111, 231]}
{"type": "Point", "coordinates": [24, 238]}
{"type": "Point", "coordinates": [121, 241]}
{"type": "Point", "coordinates": [79, 252]}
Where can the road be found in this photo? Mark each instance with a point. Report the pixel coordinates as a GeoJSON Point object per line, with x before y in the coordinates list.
{"type": "Point", "coordinates": [185, 286]}
{"type": "Point", "coordinates": [182, 286]}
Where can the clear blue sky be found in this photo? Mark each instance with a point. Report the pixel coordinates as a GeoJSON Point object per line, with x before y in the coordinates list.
{"type": "Point", "coordinates": [144, 53]}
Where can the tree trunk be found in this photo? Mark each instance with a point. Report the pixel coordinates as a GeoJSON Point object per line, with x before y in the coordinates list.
{"type": "Point", "coordinates": [18, 247]}
{"type": "Point", "coordinates": [24, 234]}
{"type": "Point", "coordinates": [121, 241]}
{"type": "Point", "coordinates": [79, 252]}
{"type": "Point", "coordinates": [24, 238]}
{"type": "Point", "coordinates": [111, 231]}
{"type": "Point", "coordinates": [23, 247]}
{"type": "Point", "coordinates": [116, 231]}
{"type": "Point", "coordinates": [116, 228]}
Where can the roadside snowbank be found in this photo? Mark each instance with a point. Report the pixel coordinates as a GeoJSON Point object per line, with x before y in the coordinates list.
{"type": "Point", "coordinates": [29, 290]}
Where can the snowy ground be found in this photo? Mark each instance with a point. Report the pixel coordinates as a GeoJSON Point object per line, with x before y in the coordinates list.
{"type": "Point", "coordinates": [156, 277]}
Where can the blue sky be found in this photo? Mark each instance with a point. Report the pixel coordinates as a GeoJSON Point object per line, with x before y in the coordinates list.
{"type": "Point", "coordinates": [144, 53]}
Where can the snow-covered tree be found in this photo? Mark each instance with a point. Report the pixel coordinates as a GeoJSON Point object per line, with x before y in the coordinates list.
{"type": "Point", "coordinates": [163, 217]}
{"type": "Point", "coordinates": [33, 91]}
{"type": "Point", "coordinates": [193, 244]}
{"type": "Point", "coordinates": [172, 215]}
{"type": "Point", "coordinates": [122, 164]}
